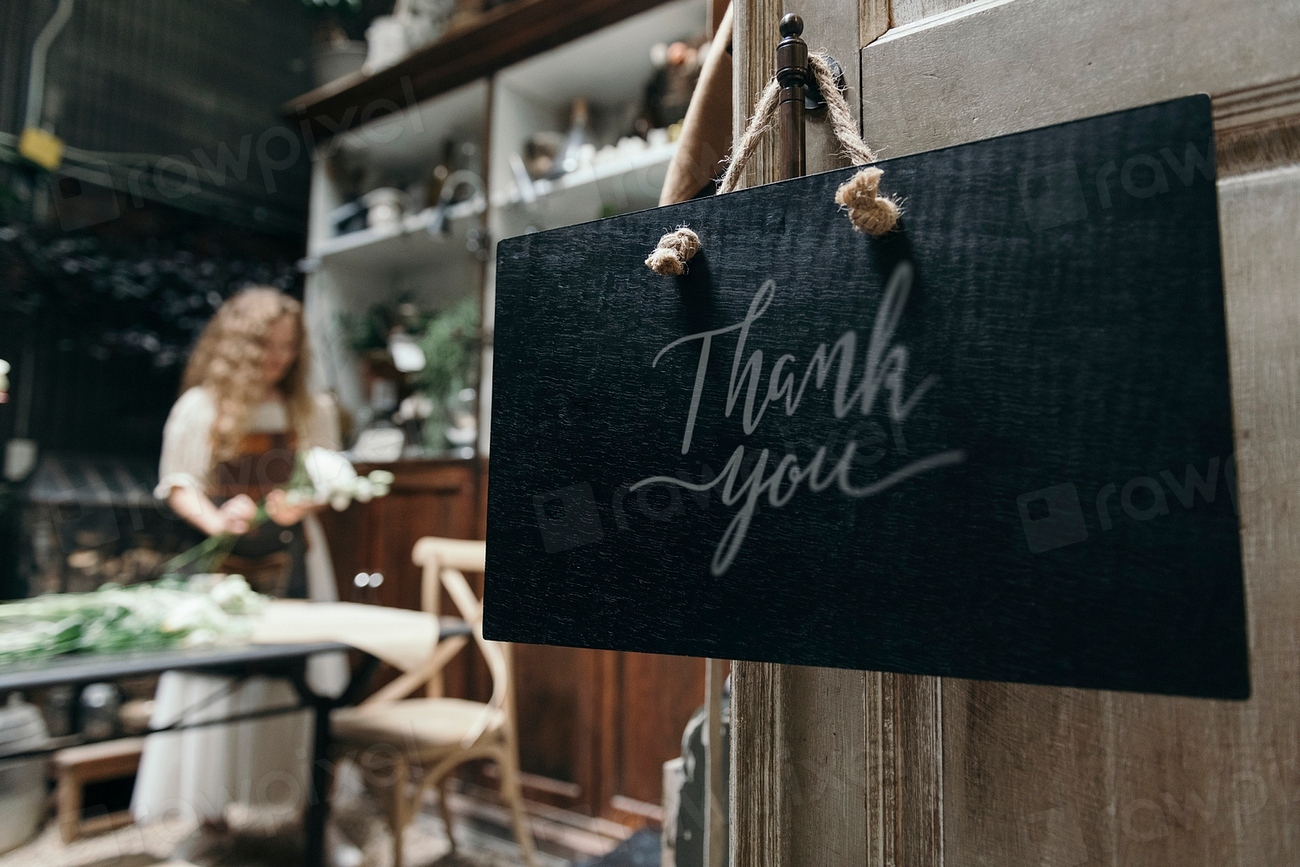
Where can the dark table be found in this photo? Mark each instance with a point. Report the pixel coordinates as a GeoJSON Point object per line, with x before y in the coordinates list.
{"type": "Point", "coordinates": [285, 661]}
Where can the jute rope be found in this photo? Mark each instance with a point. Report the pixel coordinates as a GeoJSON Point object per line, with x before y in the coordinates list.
{"type": "Point", "coordinates": [759, 123]}
{"type": "Point", "coordinates": [869, 211]}
{"type": "Point", "coordinates": [674, 250]}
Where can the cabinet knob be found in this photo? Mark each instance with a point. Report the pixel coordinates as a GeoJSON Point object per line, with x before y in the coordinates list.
{"type": "Point", "coordinates": [376, 579]}
{"type": "Point", "coordinates": [361, 580]}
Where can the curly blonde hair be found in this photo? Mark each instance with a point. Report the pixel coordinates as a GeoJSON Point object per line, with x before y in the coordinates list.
{"type": "Point", "coordinates": [228, 361]}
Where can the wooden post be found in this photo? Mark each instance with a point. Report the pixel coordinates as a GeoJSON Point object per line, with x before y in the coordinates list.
{"type": "Point", "coordinates": [792, 73]}
{"type": "Point", "coordinates": [715, 834]}
{"type": "Point", "coordinates": [814, 751]}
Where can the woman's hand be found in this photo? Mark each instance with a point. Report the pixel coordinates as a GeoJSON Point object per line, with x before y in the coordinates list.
{"type": "Point", "coordinates": [284, 513]}
{"type": "Point", "coordinates": [236, 515]}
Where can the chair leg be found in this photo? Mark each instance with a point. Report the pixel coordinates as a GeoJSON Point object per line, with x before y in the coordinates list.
{"type": "Point", "coordinates": [397, 808]}
{"type": "Point", "coordinates": [512, 793]}
{"type": "Point", "coordinates": [444, 808]}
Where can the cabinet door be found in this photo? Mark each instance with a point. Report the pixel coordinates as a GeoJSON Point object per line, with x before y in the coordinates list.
{"type": "Point", "coordinates": [596, 726]}
{"type": "Point", "coordinates": [852, 768]}
{"type": "Point", "coordinates": [375, 539]}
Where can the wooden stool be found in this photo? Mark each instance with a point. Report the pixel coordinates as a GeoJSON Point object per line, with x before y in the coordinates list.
{"type": "Point", "coordinates": [74, 767]}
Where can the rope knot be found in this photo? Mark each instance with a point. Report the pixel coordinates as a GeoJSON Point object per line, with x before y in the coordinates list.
{"type": "Point", "coordinates": [674, 250]}
{"type": "Point", "coordinates": [869, 211]}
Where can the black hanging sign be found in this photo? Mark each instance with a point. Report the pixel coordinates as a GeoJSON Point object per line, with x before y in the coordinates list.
{"type": "Point", "coordinates": [995, 443]}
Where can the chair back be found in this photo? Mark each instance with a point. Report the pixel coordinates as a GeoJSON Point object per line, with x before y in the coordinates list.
{"type": "Point", "coordinates": [444, 563]}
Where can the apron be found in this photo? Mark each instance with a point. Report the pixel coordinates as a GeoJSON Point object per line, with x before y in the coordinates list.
{"type": "Point", "coordinates": [271, 557]}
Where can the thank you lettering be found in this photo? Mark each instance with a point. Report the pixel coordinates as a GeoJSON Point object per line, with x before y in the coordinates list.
{"type": "Point", "coordinates": [857, 383]}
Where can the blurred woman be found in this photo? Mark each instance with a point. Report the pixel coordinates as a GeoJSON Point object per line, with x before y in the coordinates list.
{"type": "Point", "coordinates": [229, 445]}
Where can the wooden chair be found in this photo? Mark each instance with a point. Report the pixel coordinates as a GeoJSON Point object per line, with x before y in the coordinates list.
{"type": "Point", "coordinates": [405, 745]}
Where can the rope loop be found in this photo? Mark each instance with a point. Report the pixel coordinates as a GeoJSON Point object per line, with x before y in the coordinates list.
{"type": "Point", "coordinates": [869, 211]}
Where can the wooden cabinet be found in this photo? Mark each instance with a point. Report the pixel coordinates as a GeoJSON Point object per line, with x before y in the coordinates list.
{"type": "Point", "coordinates": [371, 542]}
{"type": "Point", "coordinates": [595, 727]}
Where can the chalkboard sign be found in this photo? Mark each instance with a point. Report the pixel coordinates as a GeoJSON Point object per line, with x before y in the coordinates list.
{"type": "Point", "coordinates": [995, 443]}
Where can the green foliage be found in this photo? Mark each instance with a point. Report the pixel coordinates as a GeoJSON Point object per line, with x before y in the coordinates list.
{"type": "Point", "coordinates": [205, 609]}
{"type": "Point", "coordinates": [108, 298]}
{"type": "Point", "coordinates": [451, 349]}
{"type": "Point", "coordinates": [369, 331]}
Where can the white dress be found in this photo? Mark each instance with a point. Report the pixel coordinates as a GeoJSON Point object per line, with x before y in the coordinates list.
{"type": "Point", "coordinates": [263, 763]}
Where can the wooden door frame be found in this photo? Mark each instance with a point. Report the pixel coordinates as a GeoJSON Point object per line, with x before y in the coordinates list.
{"type": "Point", "coordinates": [825, 745]}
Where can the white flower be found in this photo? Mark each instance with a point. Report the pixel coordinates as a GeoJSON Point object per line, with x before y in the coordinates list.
{"type": "Point", "coordinates": [235, 596]}
{"type": "Point", "coordinates": [331, 474]}
{"type": "Point", "coordinates": [189, 615]}
{"type": "Point", "coordinates": [332, 479]}
{"type": "Point", "coordinates": [200, 638]}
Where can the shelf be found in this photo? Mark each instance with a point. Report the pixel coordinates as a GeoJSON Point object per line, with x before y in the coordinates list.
{"type": "Point", "coordinates": [406, 246]}
{"type": "Point", "coordinates": [627, 184]}
{"type": "Point", "coordinates": [607, 67]}
{"type": "Point", "coordinates": [610, 69]}
{"type": "Point", "coordinates": [497, 39]}
{"type": "Point", "coordinates": [412, 138]}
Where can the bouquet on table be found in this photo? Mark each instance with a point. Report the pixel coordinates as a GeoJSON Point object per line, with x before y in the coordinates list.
{"type": "Point", "coordinates": [320, 477]}
{"type": "Point", "coordinates": [202, 610]}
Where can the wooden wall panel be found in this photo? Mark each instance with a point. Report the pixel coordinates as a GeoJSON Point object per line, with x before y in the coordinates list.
{"type": "Point", "coordinates": [800, 735]}
{"type": "Point", "coordinates": [759, 812]}
{"type": "Point", "coordinates": [966, 773]}
{"type": "Point", "coordinates": [548, 695]}
{"type": "Point", "coordinates": [993, 67]}
{"type": "Point", "coordinates": [1045, 776]}
{"type": "Point", "coordinates": [910, 11]}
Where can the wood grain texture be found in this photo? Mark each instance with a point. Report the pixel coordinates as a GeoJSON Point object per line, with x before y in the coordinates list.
{"type": "Point", "coordinates": [761, 815]}
{"type": "Point", "coordinates": [755, 31]}
{"type": "Point", "coordinates": [824, 723]}
{"type": "Point", "coordinates": [910, 11]}
{"type": "Point", "coordinates": [1257, 127]}
{"type": "Point", "coordinates": [992, 67]}
{"type": "Point", "coordinates": [874, 18]}
{"type": "Point", "coordinates": [827, 28]}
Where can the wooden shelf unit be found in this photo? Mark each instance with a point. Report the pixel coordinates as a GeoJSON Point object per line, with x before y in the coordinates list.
{"type": "Point", "coordinates": [497, 39]}
{"type": "Point", "coordinates": [595, 726]}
